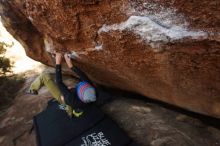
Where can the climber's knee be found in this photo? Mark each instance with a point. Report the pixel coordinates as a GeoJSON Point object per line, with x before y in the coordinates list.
{"type": "Point", "coordinates": [45, 76]}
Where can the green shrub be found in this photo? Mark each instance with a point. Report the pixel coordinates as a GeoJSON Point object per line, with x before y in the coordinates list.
{"type": "Point", "coordinates": [9, 82]}
{"type": "Point", "coordinates": [9, 87]}
{"type": "Point", "coordinates": [5, 63]}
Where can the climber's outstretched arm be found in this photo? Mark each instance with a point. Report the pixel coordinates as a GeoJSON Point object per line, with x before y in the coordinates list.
{"type": "Point", "coordinates": [75, 69]}
{"type": "Point", "coordinates": [63, 88]}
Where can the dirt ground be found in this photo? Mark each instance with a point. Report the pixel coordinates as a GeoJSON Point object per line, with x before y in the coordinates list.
{"type": "Point", "coordinates": [148, 122]}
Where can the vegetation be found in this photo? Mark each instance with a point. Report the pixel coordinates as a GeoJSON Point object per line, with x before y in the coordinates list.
{"type": "Point", "coordinates": [5, 63]}
{"type": "Point", "coordinates": [9, 82]}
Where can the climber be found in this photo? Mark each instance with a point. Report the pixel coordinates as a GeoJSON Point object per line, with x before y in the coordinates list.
{"type": "Point", "coordinates": [71, 99]}
{"type": "Point", "coordinates": [83, 93]}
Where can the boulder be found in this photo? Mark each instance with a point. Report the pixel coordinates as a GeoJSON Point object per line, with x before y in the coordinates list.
{"type": "Point", "coordinates": [165, 50]}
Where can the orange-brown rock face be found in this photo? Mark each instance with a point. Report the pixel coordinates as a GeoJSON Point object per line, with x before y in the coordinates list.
{"type": "Point", "coordinates": [169, 51]}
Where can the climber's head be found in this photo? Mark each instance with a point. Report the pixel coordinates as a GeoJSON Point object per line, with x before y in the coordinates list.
{"type": "Point", "coordinates": [86, 92]}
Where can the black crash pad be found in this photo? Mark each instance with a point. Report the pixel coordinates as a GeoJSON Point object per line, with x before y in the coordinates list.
{"type": "Point", "coordinates": [104, 133]}
{"type": "Point", "coordinates": [54, 128]}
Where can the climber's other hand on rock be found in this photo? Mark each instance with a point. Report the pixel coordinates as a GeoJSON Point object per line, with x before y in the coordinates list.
{"type": "Point", "coordinates": [68, 60]}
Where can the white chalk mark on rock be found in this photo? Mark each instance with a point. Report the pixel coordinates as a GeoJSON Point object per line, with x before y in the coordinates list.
{"type": "Point", "coordinates": [153, 32]}
{"type": "Point", "coordinates": [98, 47]}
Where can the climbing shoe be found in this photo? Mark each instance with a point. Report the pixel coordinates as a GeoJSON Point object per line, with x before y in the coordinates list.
{"type": "Point", "coordinates": [70, 111]}
{"type": "Point", "coordinates": [77, 113]}
{"type": "Point", "coordinates": [31, 92]}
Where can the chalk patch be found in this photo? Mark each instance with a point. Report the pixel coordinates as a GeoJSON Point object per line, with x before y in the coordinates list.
{"type": "Point", "coordinates": [48, 43]}
{"type": "Point", "coordinates": [165, 16]}
{"type": "Point", "coordinates": [86, 51]}
{"type": "Point", "coordinates": [74, 55]}
{"type": "Point", "coordinates": [156, 25]}
{"type": "Point", "coordinates": [153, 32]}
{"type": "Point", "coordinates": [98, 47]}
{"type": "Point", "coordinates": [30, 18]}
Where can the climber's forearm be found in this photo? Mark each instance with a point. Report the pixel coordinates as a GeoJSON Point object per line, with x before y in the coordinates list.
{"type": "Point", "coordinates": [81, 74]}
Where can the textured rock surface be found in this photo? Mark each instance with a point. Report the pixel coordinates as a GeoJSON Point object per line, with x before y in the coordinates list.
{"type": "Point", "coordinates": [166, 50]}
{"type": "Point", "coordinates": [148, 123]}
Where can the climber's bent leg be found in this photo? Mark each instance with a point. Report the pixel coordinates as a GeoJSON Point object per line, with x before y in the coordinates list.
{"type": "Point", "coordinates": [44, 79]}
